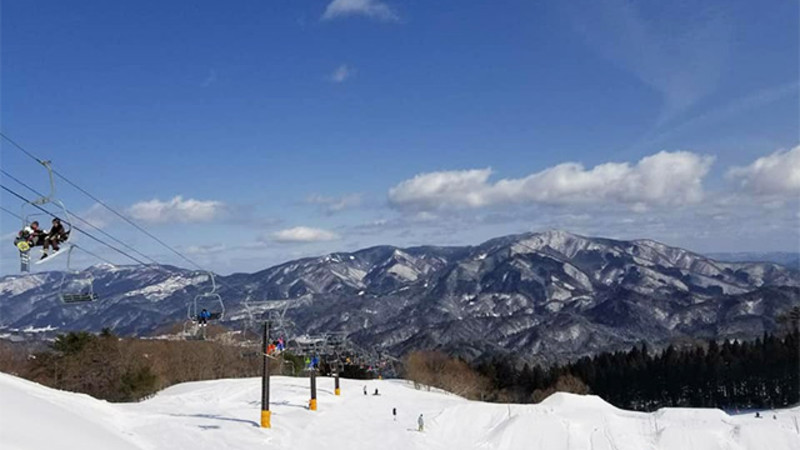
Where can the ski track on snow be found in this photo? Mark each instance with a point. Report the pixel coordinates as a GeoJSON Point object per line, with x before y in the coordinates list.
{"type": "Point", "coordinates": [224, 414]}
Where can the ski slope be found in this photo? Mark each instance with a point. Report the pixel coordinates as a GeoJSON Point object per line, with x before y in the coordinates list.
{"type": "Point", "coordinates": [225, 413]}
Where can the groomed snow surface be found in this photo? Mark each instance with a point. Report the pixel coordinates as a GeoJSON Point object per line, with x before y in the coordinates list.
{"type": "Point", "coordinates": [224, 414]}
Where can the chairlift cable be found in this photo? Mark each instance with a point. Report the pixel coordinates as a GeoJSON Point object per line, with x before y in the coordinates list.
{"type": "Point", "coordinates": [93, 254]}
{"type": "Point", "coordinates": [72, 214]}
{"type": "Point", "coordinates": [89, 235]}
{"type": "Point", "coordinates": [115, 212]}
{"type": "Point", "coordinates": [11, 213]}
{"type": "Point", "coordinates": [102, 203]}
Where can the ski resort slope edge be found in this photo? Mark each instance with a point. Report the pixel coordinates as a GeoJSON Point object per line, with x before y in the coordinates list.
{"type": "Point", "coordinates": [224, 414]}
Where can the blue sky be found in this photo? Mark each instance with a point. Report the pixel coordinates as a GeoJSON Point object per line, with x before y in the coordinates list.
{"type": "Point", "coordinates": [251, 133]}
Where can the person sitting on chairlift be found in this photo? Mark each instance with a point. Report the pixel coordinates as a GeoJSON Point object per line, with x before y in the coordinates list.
{"type": "Point", "coordinates": [54, 237]}
{"type": "Point", "coordinates": [31, 234]}
{"type": "Point", "coordinates": [203, 317]}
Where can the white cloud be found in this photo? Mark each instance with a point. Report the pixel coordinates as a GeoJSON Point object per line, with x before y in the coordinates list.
{"type": "Point", "coordinates": [342, 74]}
{"type": "Point", "coordinates": [331, 205]}
{"type": "Point", "coordinates": [775, 174]}
{"type": "Point", "coordinates": [661, 179]}
{"type": "Point", "coordinates": [682, 62]}
{"type": "Point", "coordinates": [370, 8]}
{"type": "Point", "coordinates": [98, 216]}
{"type": "Point", "coordinates": [736, 107]}
{"type": "Point", "coordinates": [303, 234]}
{"type": "Point", "coordinates": [177, 210]}
{"type": "Point", "coordinates": [203, 250]}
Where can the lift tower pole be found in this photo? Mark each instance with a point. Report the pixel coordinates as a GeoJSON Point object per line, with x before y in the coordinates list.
{"type": "Point", "coordinates": [312, 404]}
{"type": "Point", "coordinates": [265, 413]}
{"type": "Point", "coordinates": [336, 389]}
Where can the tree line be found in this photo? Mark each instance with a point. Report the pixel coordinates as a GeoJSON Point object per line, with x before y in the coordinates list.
{"type": "Point", "coordinates": [763, 373]}
{"type": "Point", "coordinates": [117, 369]}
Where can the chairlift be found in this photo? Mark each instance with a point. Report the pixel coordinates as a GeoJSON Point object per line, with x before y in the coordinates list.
{"type": "Point", "coordinates": [210, 301]}
{"type": "Point", "coordinates": [76, 286]}
{"type": "Point", "coordinates": [27, 215]}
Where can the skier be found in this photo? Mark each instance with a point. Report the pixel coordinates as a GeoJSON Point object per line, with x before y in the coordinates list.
{"type": "Point", "coordinates": [420, 424]}
{"type": "Point", "coordinates": [376, 392]}
{"type": "Point", "coordinates": [203, 317]}
{"type": "Point", "coordinates": [365, 389]}
{"type": "Point", "coordinates": [394, 414]}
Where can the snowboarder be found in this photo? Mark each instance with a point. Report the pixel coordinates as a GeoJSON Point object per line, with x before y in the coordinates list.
{"type": "Point", "coordinates": [420, 424]}
{"type": "Point", "coordinates": [203, 317]}
{"type": "Point", "coordinates": [365, 389]}
{"type": "Point", "coordinates": [32, 235]}
{"type": "Point", "coordinates": [758, 415]}
{"type": "Point", "coordinates": [376, 392]}
{"type": "Point", "coordinates": [29, 237]}
{"type": "Point", "coordinates": [394, 414]}
{"type": "Point", "coordinates": [54, 237]}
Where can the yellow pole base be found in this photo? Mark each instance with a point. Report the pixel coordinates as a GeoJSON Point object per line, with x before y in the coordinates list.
{"type": "Point", "coordinates": [312, 404]}
{"type": "Point", "coordinates": [337, 391]}
{"type": "Point", "coordinates": [265, 422]}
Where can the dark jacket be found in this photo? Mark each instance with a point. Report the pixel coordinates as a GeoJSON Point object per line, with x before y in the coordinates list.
{"type": "Point", "coordinates": [58, 232]}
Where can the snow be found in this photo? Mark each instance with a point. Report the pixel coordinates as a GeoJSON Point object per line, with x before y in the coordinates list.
{"type": "Point", "coordinates": [569, 334]}
{"type": "Point", "coordinates": [160, 291]}
{"type": "Point", "coordinates": [557, 290]}
{"type": "Point", "coordinates": [15, 285]}
{"type": "Point", "coordinates": [225, 414]}
{"type": "Point", "coordinates": [581, 278]}
{"type": "Point", "coordinates": [403, 271]}
{"type": "Point", "coordinates": [32, 329]}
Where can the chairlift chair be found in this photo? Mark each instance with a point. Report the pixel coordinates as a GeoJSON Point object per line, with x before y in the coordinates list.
{"type": "Point", "coordinates": [76, 286]}
{"type": "Point", "coordinates": [207, 298]}
{"type": "Point", "coordinates": [26, 215]}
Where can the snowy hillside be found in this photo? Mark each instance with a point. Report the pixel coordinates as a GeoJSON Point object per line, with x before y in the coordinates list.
{"type": "Point", "coordinates": [224, 414]}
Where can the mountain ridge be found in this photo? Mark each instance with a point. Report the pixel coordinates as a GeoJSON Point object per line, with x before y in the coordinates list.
{"type": "Point", "coordinates": [547, 295]}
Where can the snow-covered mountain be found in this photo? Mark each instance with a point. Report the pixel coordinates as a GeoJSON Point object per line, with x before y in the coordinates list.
{"type": "Point", "coordinates": [549, 295]}
{"type": "Point", "coordinates": [788, 259]}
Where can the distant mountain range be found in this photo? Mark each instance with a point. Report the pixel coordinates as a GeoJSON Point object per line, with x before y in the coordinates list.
{"type": "Point", "coordinates": [788, 259]}
{"type": "Point", "coordinates": [545, 296]}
